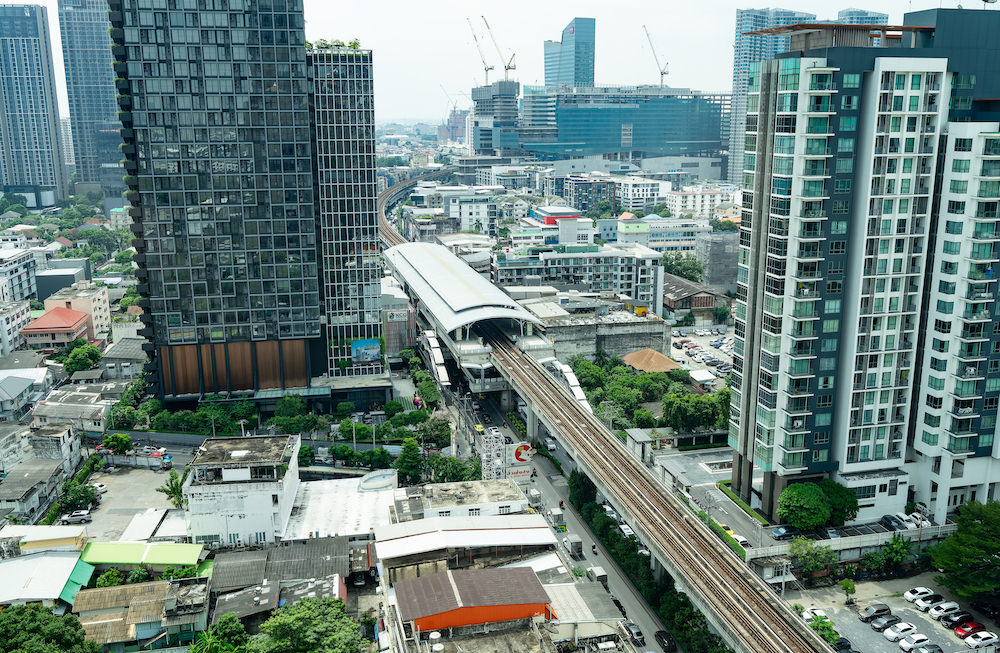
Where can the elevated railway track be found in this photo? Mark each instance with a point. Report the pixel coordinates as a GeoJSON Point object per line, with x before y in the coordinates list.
{"type": "Point", "coordinates": [753, 619]}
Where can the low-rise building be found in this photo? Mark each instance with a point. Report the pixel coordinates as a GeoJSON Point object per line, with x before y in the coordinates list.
{"type": "Point", "coordinates": [682, 296]}
{"type": "Point", "coordinates": [674, 234]}
{"type": "Point", "coordinates": [42, 578]}
{"type": "Point", "coordinates": [55, 329]}
{"type": "Point", "coordinates": [638, 193]}
{"type": "Point", "coordinates": [469, 498]}
{"type": "Point", "coordinates": [37, 539]}
{"type": "Point", "coordinates": [14, 316]}
{"type": "Point", "coordinates": [241, 490]}
{"type": "Point", "coordinates": [698, 201]}
{"type": "Point", "coordinates": [124, 359]}
{"type": "Point", "coordinates": [30, 487]}
{"type": "Point", "coordinates": [85, 411]}
{"type": "Point", "coordinates": [86, 297]}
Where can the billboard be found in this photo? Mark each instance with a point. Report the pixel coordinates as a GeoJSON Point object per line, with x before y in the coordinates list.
{"type": "Point", "coordinates": [366, 351]}
{"type": "Point", "coordinates": [519, 454]}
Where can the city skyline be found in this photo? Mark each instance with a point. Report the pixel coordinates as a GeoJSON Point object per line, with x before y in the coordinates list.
{"type": "Point", "coordinates": [449, 57]}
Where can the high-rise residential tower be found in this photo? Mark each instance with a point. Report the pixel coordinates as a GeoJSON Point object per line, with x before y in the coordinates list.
{"type": "Point", "coordinates": [31, 157]}
{"type": "Point", "coordinates": [245, 169]}
{"type": "Point", "coordinates": [90, 85]}
{"type": "Point", "coordinates": [867, 346]}
{"type": "Point", "coordinates": [570, 60]}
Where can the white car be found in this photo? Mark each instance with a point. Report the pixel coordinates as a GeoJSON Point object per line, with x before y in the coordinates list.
{"type": "Point", "coordinates": [929, 602]}
{"type": "Point", "coordinates": [812, 613]}
{"type": "Point", "coordinates": [981, 639]}
{"type": "Point", "coordinates": [919, 520]}
{"type": "Point", "coordinates": [742, 541]}
{"type": "Point", "coordinates": [913, 641]}
{"type": "Point", "coordinates": [941, 609]}
{"type": "Point", "coordinates": [100, 487]}
{"type": "Point", "coordinates": [149, 450]}
{"type": "Point", "coordinates": [917, 593]}
{"type": "Point", "coordinates": [899, 631]}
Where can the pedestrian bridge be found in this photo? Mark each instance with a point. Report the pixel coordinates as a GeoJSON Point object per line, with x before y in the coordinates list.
{"type": "Point", "coordinates": [452, 299]}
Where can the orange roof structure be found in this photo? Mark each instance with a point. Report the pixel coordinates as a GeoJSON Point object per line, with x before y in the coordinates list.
{"type": "Point", "coordinates": [650, 360]}
{"type": "Point", "coordinates": [57, 319]}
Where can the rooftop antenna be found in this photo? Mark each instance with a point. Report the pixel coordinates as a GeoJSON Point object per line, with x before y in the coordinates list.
{"type": "Point", "coordinates": [510, 65]}
{"type": "Point", "coordinates": [662, 68]}
{"type": "Point", "coordinates": [486, 66]}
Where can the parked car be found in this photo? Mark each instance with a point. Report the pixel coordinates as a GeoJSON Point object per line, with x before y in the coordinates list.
{"type": "Point", "coordinates": [982, 640]}
{"type": "Point", "coordinates": [665, 641]}
{"type": "Point", "coordinates": [881, 623]}
{"type": "Point", "coordinates": [930, 648]}
{"type": "Point", "coordinates": [635, 634]}
{"type": "Point", "coordinates": [987, 607]}
{"type": "Point", "coordinates": [618, 604]}
{"type": "Point", "coordinates": [873, 611]}
{"type": "Point", "coordinates": [726, 528]}
{"type": "Point", "coordinates": [893, 523]}
{"type": "Point", "coordinates": [829, 532]}
{"type": "Point", "coordinates": [928, 602]}
{"type": "Point", "coordinates": [969, 628]}
{"type": "Point", "coordinates": [149, 450]}
{"type": "Point", "coordinates": [919, 520]}
{"type": "Point", "coordinates": [899, 631]}
{"type": "Point", "coordinates": [812, 613]}
{"type": "Point", "coordinates": [76, 517]}
{"type": "Point", "coordinates": [943, 609]}
{"type": "Point", "coordinates": [785, 533]}
{"type": "Point", "coordinates": [912, 595]}
{"type": "Point", "coordinates": [956, 619]}
{"type": "Point", "coordinates": [842, 644]}
{"type": "Point", "coordinates": [742, 541]}
{"type": "Point", "coordinates": [911, 642]}
{"type": "Point", "coordinates": [100, 487]}
{"type": "Point", "coordinates": [676, 345]}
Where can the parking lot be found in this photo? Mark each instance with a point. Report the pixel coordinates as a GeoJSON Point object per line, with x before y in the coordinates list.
{"type": "Point", "coordinates": [703, 341]}
{"type": "Point", "coordinates": [863, 638]}
{"type": "Point", "coordinates": [130, 491]}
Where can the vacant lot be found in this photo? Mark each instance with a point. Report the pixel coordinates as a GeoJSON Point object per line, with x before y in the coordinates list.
{"type": "Point", "coordinates": [130, 491]}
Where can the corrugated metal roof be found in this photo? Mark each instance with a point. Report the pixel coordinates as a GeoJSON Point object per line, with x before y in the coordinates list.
{"type": "Point", "coordinates": [142, 553]}
{"type": "Point", "coordinates": [465, 588]}
{"type": "Point", "coordinates": [307, 559]}
{"type": "Point", "coordinates": [78, 579]}
{"type": "Point", "coordinates": [456, 294]}
{"type": "Point", "coordinates": [108, 627]}
{"type": "Point", "coordinates": [120, 596]}
{"type": "Point", "coordinates": [437, 533]}
{"type": "Point", "coordinates": [37, 576]}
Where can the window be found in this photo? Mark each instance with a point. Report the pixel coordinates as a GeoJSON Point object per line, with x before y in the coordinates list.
{"type": "Point", "coordinates": [953, 227]}
{"type": "Point", "coordinates": [444, 513]}
{"type": "Point", "coordinates": [960, 165]}
{"type": "Point", "coordinates": [866, 492]}
{"type": "Point", "coordinates": [848, 123]}
{"type": "Point", "coordinates": [838, 247]}
{"type": "Point", "coordinates": [963, 144]}
{"type": "Point", "coordinates": [504, 510]}
{"type": "Point", "coordinates": [845, 165]}
{"type": "Point", "coordinates": [845, 144]}
{"type": "Point", "coordinates": [474, 512]}
{"type": "Point", "coordinates": [849, 102]}
{"type": "Point", "coordinates": [959, 186]}
{"type": "Point", "coordinates": [914, 103]}
{"type": "Point", "coordinates": [851, 80]}
{"type": "Point", "coordinates": [939, 346]}
{"type": "Point", "coordinates": [274, 499]}
{"type": "Point", "coordinates": [935, 383]}
{"type": "Point", "coordinates": [929, 438]}
{"type": "Point", "coordinates": [938, 364]}
{"type": "Point", "coordinates": [824, 419]}
{"type": "Point", "coordinates": [957, 208]}
{"type": "Point", "coordinates": [900, 81]}
{"type": "Point", "coordinates": [951, 247]}
{"type": "Point", "coordinates": [820, 455]}
{"type": "Point", "coordinates": [831, 326]}
{"type": "Point", "coordinates": [821, 437]}
{"type": "Point", "coordinates": [842, 186]}
{"type": "Point", "coordinates": [840, 207]}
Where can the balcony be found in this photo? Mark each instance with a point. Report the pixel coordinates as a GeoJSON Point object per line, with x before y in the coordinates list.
{"type": "Point", "coordinates": [794, 444]}
{"type": "Point", "coordinates": [959, 445]}
{"type": "Point", "coordinates": [969, 372]}
{"type": "Point", "coordinates": [976, 315]}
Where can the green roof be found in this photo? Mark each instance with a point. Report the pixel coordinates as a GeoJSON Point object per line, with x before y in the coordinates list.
{"type": "Point", "coordinates": [141, 553]}
{"type": "Point", "coordinates": [633, 227]}
{"type": "Point", "coordinates": [205, 568]}
{"type": "Point", "coordinates": [78, 578]}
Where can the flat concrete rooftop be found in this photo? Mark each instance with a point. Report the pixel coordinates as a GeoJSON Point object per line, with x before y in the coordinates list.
{"type": "Point", "coordinates": [260, 449]}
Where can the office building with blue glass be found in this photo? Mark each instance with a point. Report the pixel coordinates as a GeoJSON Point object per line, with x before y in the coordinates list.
{"type": "Point", "coordinates": [570, 60]}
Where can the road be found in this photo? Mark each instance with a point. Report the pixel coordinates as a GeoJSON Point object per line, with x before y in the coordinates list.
{"type": "Point", "coordinates": [554, 488]}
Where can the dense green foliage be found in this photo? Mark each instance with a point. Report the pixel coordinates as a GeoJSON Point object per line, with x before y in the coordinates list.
{"type": "Point", "coordinates": [82, 358]}
{"type": "Point", "coordinates": [887, 559]}
{"type": "Point", "coordinates": [811, 556]}
{"type": "Point", "coordinates": [173, 487]}
{"type": "Point", "coordinates": [804, 506]}
{"type": "Point", "coordinates": [111, 578]}
{"type": "Point", "coordinates": [684, 265]}
{"type": "Point", "coordinates": [311, 625]}
{"type": "Point", "coordinates": [410, 463]}
{"type": "Point", "coordinates": [970, 557]}
{"type": "Point", "coordinates": [306, 455]}
{"type": "Point", "coordinates": [118, 443]}
{"type": "Point", "coordinates": [446, 469]}
{"type": "Point", "coordinates": [843, 501]}
{"type": "Point", "coordinates": [36, 630]}
{"type": "Point", "coordinates": [179, 572]}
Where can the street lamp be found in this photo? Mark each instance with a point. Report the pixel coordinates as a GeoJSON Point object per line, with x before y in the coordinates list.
{"type": "Point", "coordinates": [243, 430]}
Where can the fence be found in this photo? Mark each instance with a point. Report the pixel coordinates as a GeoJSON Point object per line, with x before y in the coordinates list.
{"type": "Point", "coordinates": [853, 546]}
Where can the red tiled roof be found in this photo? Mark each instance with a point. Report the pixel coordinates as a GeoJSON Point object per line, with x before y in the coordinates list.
{"type": "Point", "coordinates": [57, 319]}
{"type": "Point", "coordinates": [65, 241]}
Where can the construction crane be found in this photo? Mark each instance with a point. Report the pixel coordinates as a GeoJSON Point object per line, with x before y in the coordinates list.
{"type": "Point", "coordinates": [510, 65]}
{"type": "Point", "coordinates": [662, 68]}
{"type": "Point", "coordinates": [486, 66]}
{"type": "Point", "coordinates": [454, 103]}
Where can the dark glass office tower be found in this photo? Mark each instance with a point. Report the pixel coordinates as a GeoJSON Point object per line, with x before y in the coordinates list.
{"type": "Point", "coordinates": [90, 86]}
{"type": "Point", "coordinates": [570, 60]}
{"type": "Point", "coordinates": [31, 158]}
{"type": "Point", "coordinates": [344, 113]}
{"type": "Point", "coordinates": [217, 130]}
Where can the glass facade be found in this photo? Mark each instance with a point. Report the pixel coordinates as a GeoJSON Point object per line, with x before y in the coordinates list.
{"type": "Point", "coordinates": [570, 61]}
{"type": "Point", "coordinates": [343, 108]}
{"type": "Point", "coordinates": [30, 140]}
{"type": "Point", "coordinates": [90, 85]}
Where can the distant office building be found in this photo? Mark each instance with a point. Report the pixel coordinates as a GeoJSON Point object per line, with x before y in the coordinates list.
{"type": "Point", "coordinates": [90, 85]}
{"type": "Point", "coordinates": [494, 119]}
{"type": "Point", "coordinates": [626, 122]}
{"type": "Point", "coordinates": [344, 111]}
{"type": "Point", "coordinates": [750, 48]}
{"type": "Point", "coordinates": [585, 192]}
{"type": "Point", "coordinates": [66, 134]}
{"type": "Point", "coordinates": [570, 61]}
{"type": "Point", "coordinates": [17, 273]}
{"type": "Point", "coordinates": [31, 156]}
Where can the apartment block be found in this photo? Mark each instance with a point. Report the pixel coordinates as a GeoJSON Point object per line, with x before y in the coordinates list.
{"type": "Point", "coordinates": [14, 316]}
{"type": "Point", "coordinates": [86, 297]}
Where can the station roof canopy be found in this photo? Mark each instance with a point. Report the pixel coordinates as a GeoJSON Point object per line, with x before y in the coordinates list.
{"type": "Point", "coordinates": [452, 291]}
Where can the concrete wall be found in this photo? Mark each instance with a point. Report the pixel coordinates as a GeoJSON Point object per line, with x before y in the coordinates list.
{"type": "Point", "coordinates": [617, 339]}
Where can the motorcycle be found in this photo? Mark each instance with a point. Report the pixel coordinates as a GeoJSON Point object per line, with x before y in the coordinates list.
{"type": "Point", "coordinates": [562, 504]}
{"type": "Point", "coordinates": [593, 549]}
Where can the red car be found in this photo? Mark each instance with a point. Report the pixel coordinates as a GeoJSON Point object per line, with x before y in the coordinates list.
{"type": "Point", "coordinates": [969, 628]}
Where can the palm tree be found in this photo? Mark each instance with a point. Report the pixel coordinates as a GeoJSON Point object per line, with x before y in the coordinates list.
{"type": "Point", "coordinates": [174, 487]}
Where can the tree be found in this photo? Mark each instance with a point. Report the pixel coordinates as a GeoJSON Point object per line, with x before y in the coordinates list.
{"type": "Point", "coordinates": [683, 265]}
{"type": "Point", "coordinates": [343, 409]}
{"type": "Point", "coordinates": [36, 305]}
{"type": "Point", "coordinates": [179, 572]}
{"type": "Point", "coordinates": [410, 463]}
{"type": "Point", "coordinates": [124, 416]}
{"type": "Point", "coordinates": [843, 501]}
{"type": "Point", "coordinates": [825, 628]}
{"type": "Point", "coordinates": [848, 586]}
{"type": "Point", "coordinates": [82, 358]}
{"type": "Point", "coordinates": [643, 418]}
{"type": "Point", "coordinates": [436, 431]}
{"type": "Point", "coordinates": [811, 556]}
{"type": "Point", "coordinates": [723, 225]}
{"type": "Point", "coordinates": [311, 625]}
{"type": "Point", "coordinates": [804, 506]}
{"type": "Point", "coordinates": [291, 406]}
{"type": "Point", "coordinates": [111, 578]}
{"type": "Point", "coordinates": [392, 408]}
{"type": "Point", "coordinates": [229, 631]}
{"type": "Point", "coordinates": [173, 487]}
{"type": "Point", "coordinates": [581, 489]}
{"type": "Point", "coordinates": [969, 556]}
{"type": "Point", "coordinates": [124, 257]}
{"type": "Point", "coordinates": [77, 496]}
{"type": "Point", "coordinates": [139, 575]}
{"type": "Point", "coordinates": [720, 314]}
{"type": "Point", "coordinates": [306, 455]}
{"type": "Point", "coordinates": [36, 629]}
{"type": "Point", "coordinates": [118, 443]}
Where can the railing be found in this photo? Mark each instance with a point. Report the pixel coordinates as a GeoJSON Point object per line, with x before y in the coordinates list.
{"type": "Point", "coordinates": [859, 542]}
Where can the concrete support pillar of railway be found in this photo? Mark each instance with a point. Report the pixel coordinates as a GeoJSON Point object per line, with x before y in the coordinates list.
{"type": "Point", "coordinates": [659, 571]}
{"type": "Point", "coordinates": [774, 485]}
{"type": "Point", "coordinates": [506, 400]}
{"type": "Point", "coordinates": [532, 424]}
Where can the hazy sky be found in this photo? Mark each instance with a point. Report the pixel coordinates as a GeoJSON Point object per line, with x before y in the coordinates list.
{"type": "Point", "coordinates": [421, 45]}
